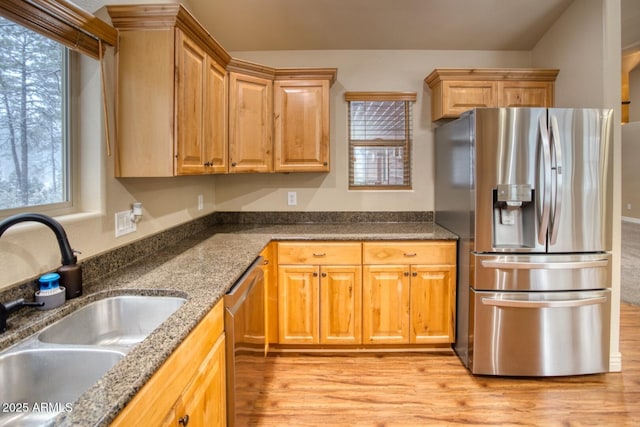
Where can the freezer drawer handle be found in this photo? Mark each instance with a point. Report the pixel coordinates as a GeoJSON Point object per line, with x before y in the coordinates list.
{"type": "Point", "coordinates": [508, 265]}
{"type": "Point", "coordinates": [542, 304]}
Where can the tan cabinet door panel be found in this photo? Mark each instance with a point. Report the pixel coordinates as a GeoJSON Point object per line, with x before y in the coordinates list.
{"type": "Point", "coordinates": [298, 304]}
{"type": "Point", "coordinates": [301, 126]}
{"type": "Point", "coordinates": [432, 304]}
{"type": "Point", "coordinates": [385, 304]}
{"type": "Point", "coordinates": [341, 305]}
{"type": "Point", "coordinates": [250, 123]}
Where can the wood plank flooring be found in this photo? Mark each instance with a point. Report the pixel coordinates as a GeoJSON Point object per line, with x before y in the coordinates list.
{"type": "Point", "coordinates": [435, 389]}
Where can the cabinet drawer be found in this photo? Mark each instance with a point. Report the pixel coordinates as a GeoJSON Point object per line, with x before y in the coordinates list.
{"type": "Point", "coordinates": [319, 253]}
{"type": "Point", "coordinates": [433, 252]}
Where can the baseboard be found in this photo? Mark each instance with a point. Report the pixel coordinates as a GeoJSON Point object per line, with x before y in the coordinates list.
{"type": "Point", "coordinates": [615, 362]}
{"type": "Point", "coordinates": [631, 219]}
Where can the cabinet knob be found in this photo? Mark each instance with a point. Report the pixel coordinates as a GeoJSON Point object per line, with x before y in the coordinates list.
{"type": "Point", "coordinates": [415, 274]}
{"type": "Point", "coordinates": [406, 274]}
{"type": "Point", "coordinates": [233, 164]}
{"type": "Point", "coordinates": [315, 274]}
{"type": "Point", "coordinates": [324, 274]}
{"type": "Point", "coordinates": [325, 164]}
{"type": "Point", "coordinates": [184, 420]}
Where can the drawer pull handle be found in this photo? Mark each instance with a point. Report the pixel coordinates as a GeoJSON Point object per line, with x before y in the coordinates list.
{"type": "Point", "coordinates": [542, 304]}
{"type": "Point", "coordinates": [323, 254]}
{"type": "Point", "coordinates": [184, 420]}
{"type": "Point", "coordinates": [410, 255]}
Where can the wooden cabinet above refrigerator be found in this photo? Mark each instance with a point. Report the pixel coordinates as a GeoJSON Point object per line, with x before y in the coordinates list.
{"type": "Point", "coordinates": [456, 90]}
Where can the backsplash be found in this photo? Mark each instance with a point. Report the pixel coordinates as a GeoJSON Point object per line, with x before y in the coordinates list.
{"type": "Point", "coordinates": [103, 264]}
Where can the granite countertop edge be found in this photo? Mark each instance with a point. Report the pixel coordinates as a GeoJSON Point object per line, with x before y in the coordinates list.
{"type": "Point", "coordinates": [201, 269]}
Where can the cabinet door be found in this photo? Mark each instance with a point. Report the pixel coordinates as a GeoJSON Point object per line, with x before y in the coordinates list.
{"type": "Point", "coordinates": [191, 68]}
{"type": "Point", "coordinates": [204, 400]}
{"type": "Point", "coordinates": [250, 124]}
{"type": "Point", "coordinates": [298, 304]}
{"type": "Point", "coordinates": [458, 97]}
{"type": "Point", "coordinates": [301, 125]}
{"type": "Point", "coordinates": [525, 94]}
{"type": "Point", "coordinates": [432, 304]}
{"type": "Point", "coordinates": [341, 305]}
{"type": "Point", "coordinates": [385, 304]}
{"type": "Point", "coordinates": [215, 118]}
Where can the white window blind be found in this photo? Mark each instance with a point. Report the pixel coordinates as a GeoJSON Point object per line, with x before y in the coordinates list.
{"type": "Point", "coordinates": [380, 133]}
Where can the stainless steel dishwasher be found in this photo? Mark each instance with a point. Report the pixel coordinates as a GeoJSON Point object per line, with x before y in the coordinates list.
{"type": "Point", "coordinates": [244, 323]}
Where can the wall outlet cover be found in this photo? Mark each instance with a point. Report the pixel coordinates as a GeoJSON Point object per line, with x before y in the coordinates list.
{"type": "Point", "coordinates": [124, 223]}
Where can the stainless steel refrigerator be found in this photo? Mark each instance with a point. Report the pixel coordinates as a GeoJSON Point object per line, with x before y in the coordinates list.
{"type": "Point", "coordinates": [529, 192]}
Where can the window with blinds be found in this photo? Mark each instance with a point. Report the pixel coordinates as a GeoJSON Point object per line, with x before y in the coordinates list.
{"type": "Point", "coordinates": [380, 133]}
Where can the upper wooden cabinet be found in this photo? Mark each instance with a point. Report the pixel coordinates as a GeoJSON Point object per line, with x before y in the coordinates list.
{"type": "Point", "coordinates": [301, 125]}
{"type": "Point", "coordinates": [185, 107]}
{"type": "Point", "coordinates": [171, 91]}
{"type": "Point", "coordinates": [456, 90]}
{"type": "Point", "coordinates": [278, 118]}
{"type": "Point", "coordinates": [250, 123]}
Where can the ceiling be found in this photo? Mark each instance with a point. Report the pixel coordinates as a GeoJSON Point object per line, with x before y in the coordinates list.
{"type": "Point", "coordinates": [246, 25]}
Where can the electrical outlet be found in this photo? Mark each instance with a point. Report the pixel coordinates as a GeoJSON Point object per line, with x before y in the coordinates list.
{"type": "Point", "coordinates": [200, 202]}
{"type": "Point", "coordinates": [124, 223]}
{"type": "Point", "coordinates": [292, 198]}
{"type": "Point", "coordinates": [628, 206]}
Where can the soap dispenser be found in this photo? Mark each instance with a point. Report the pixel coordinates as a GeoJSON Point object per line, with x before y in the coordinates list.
{"type": "Point", "coordinates": [50, 293]}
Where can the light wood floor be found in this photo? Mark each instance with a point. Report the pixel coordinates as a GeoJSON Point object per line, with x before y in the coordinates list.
{"type": "Point", "coordinates": [435, 389]}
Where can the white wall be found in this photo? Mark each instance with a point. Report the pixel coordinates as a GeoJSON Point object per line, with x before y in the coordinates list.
{"type": "Point", "coordinates": [630, 170]}
{"type": "Point", "coordinates": [362, 70]}
{"type": "Point", "coordinates": [634, 94]}
{"type": "Point", "coordinates": [29, 249]}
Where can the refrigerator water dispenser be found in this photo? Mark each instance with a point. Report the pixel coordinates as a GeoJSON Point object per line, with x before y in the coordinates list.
{"type": "Point", "coordinates": [513, 216]}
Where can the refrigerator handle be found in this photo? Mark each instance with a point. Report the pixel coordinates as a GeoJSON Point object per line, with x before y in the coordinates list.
{"type": "Point", "coordinates": [540, 304]}
{"type": "Point", "coordinates": [556, 168]}
{"type": "Point", "coordinates": [545, 170]}
{"type": "Point", "coordinates": [524, 265]}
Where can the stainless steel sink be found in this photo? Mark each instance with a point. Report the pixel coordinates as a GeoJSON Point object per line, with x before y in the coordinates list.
{"type": "Point", "coordinates": [116, 321]}
{"type": "Point", "coordinates": [45, 373]}
{"type": "Point", "coordinates": [39, 383]}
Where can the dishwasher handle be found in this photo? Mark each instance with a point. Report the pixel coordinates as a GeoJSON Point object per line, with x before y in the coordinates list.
{"type": "Point", "coordinates": [239, 292]}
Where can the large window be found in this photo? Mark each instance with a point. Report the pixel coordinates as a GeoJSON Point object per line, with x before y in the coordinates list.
{"type": "Point", "coordinates": [34, 152]}
{"type": "Point", "coordinates": [380, 133]}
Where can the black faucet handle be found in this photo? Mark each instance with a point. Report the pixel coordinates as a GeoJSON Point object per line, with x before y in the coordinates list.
{"type": "Point", "coordinates": [10, 307]}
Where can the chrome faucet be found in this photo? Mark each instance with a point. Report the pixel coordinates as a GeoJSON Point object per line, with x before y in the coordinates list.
{"type": "Point", "coordinates": [70, 272]}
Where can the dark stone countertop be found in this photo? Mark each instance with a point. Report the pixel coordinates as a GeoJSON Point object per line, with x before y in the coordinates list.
{"type": "Point", "coordinates": [202, 269]}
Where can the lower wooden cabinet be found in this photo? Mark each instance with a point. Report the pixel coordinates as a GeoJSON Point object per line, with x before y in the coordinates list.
{"type": "Point", "coordinates": [400, 293]}
{"type": "Point", "coordinates": [319, 304]}
{"type": "Point", "coordinates": [433, 303]}
{"type": "Point", "coordinates": [319, 293]}
{"type": "Point", "coordinates": [385, 304]}
{"type": "Point", "coordinates": [409, 292]}
{"type": "Point", "coordinates": [190, 387]}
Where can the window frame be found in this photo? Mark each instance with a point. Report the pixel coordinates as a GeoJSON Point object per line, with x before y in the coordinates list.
{"type": "Point", "coordinates": [67, 159]}
{"type": "Point", "coordinates": [79, 31]}
{"type": "Point", "coordinates": [407, 98]}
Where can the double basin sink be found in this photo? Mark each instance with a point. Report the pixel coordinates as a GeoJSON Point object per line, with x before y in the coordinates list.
{"type": "Point", "coordinates": [44, 374]}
